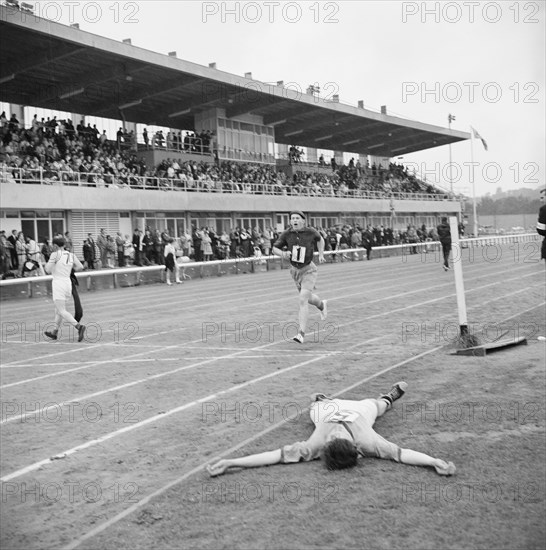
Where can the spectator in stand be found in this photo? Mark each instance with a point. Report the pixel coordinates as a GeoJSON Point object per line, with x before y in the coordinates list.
{"type": "Point", "coordinates": [146, 138]}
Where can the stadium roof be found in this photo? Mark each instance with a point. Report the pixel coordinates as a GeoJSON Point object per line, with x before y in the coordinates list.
{"type": "Point", "coordinates": [54, 66]}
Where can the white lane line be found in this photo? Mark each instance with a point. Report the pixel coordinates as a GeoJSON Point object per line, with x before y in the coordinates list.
{"type": "Point", "coordinates": [177, 481]}
{"type": "Point", "coordinates": [150, 420]}
{"type": "Point", "coordinates": [87, 348]}
{"type": "Point", "coordinates": [183, 346]}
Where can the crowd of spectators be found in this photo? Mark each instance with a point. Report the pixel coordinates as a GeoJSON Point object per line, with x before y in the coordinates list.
{"type": "Point", "coordinates": [55, 151]}
{"type": "Point", "coordinates": [22, 255]}
{"type": "Point", "coordinates": [189, 142]}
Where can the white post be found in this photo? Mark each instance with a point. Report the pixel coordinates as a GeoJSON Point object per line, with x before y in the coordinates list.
{"type": "Point", "coordinates": [458, 272]}
{"type": "Point", "coordinates": [473, 172]}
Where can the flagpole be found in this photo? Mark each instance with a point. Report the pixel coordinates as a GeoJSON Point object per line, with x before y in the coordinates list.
{"type": "Point", "coordinates": [475, 229]}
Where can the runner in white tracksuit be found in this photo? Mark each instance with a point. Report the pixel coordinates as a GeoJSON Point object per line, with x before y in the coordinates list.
{"type": "Point", "coordinates": [60, 265]}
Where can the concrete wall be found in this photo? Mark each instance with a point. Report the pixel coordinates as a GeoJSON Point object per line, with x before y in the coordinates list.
{"type": "Point", "coordinates": [65, 197]}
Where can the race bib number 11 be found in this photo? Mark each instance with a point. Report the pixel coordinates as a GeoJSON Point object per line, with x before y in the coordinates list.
{"type": "Point", "coordinates": [298, 254]}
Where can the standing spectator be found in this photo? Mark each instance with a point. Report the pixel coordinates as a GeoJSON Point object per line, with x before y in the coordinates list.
{"type": "Point", "coordinates": [110, 251]}
{"type": "Point", "coordinates": [541, 226]}
{"type": "Point", "coordinates": [157, 253]}
{"type": "Point", "coordinates": [170, 262]}
{"type": "Point", "coordinates": [206, 243]}
{"type": "Point", "coordinates": [88, 255]}
{"type": "Point", "coordinates": [120, 243]}
{"type": "Point", "coordinates": [101, 243]}
{"type": "Point", "coordinates": [246, 242]}
{"type": "Point", "coordinates": [331, 242]}
{"type": "Point", "coordinates": [137, 245]}
{"type": "Point", "coordinates": [356, 240]}
{"type": "Point", "coordinates": [444, 234]}
{"type": "Point", "coordinates": [4, 253]}
{"type": "Point", "coordinates": [235, 242]}
{"type": "Point", "coordinates": [92, 253]}
{"type": "Point", "coordinates": [33, 254]}
{"type": "Point", "coordinates": [12, 239]}
{"type": "Point", "coordinates": [267, 236]}
{"type": "Point", "coordinates": [21, 248]}
{"type": "Point", "coordinates": [128, 250]}
{"type": "Point", "coordinates": [412, 237]}
{"type": "Point", "coordinates": [197, 239]}
{"type": "Point", "coordinates": [185, 243]}
{"type": "Point", "coordinates": [146, 138]}
{"type": "Point", "coordinates": [68, 242]}
{"type": "Point", "coordinates": [147, 247]}
{"type": "Point", "coordinates": [367, 240]}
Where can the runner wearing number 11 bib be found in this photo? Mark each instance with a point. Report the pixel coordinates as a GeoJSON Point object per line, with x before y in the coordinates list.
{"type": "Point", "coordinates": [300, 241]}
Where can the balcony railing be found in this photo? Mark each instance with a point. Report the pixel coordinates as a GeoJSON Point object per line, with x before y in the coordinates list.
{"type": "Point", "coordinates": [95, 180]}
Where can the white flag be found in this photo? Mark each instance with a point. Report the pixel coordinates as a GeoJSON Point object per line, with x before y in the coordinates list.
{"type": "Point", "coordinates": [477, 136]}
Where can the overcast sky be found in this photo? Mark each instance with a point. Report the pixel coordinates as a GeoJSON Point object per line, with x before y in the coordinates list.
{"type": "Point", "coordinates": [483, 62]}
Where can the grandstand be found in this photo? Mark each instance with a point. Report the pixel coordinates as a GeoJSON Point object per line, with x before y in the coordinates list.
{"type": "Point", "coordinates": [221, 132]}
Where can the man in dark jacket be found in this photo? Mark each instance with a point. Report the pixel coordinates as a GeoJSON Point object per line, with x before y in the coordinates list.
{"type": "Point", "coordinates": [541, 226]}
{"type": "Point", "coordinates": [444, 234]}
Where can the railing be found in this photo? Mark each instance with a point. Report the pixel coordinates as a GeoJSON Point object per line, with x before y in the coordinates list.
{"type": "Point", "coordinates": [95, 180]}
{"type": "Point", "coordinates": [134, 276]}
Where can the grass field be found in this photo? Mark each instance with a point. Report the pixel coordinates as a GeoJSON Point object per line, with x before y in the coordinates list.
{"type": "Point", "coordinates": [104, 443]}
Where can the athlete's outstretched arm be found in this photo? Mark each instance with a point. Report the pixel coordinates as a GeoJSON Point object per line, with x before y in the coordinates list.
{"type": "Point", "coordinates": [415, 458]}
{"type": "Point", "coordinates": [251, 461]}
